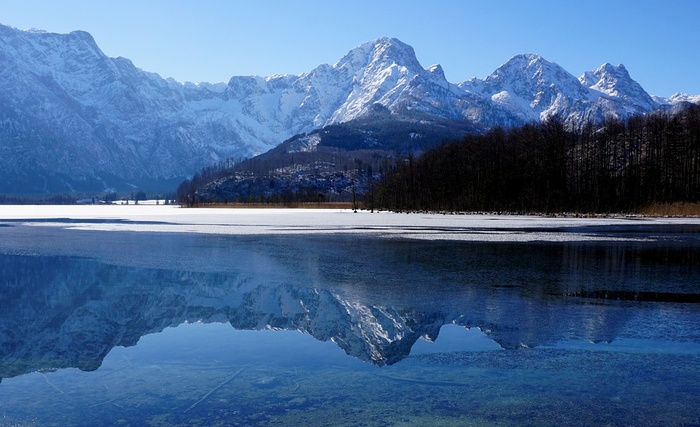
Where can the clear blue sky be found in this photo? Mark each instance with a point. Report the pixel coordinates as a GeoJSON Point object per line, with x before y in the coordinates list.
{"type": "Point", "coordinates": [212, 40]}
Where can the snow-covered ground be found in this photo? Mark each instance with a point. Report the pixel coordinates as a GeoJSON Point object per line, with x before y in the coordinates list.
{"type": "Point", "coordinates": [170, 218]}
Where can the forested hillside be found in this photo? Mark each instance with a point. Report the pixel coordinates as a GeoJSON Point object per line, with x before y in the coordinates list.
{"type": "Point", "coordinates": [335, 163]}
{"type": "Point", "coordinates": [621, 166]}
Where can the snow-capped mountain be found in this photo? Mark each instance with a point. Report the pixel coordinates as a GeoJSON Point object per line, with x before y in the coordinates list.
{"type": "Point", "coordinates": [535, 89]}
{"type": "Point", "coordinates": [615, 82]}
{"type": "Point", "coordinates": [531, 87]}
{"type": "Point", "coordinates": [72, 118]}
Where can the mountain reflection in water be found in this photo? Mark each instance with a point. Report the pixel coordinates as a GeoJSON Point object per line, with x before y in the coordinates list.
{"type": "Point", "coordinates": [372, 297]}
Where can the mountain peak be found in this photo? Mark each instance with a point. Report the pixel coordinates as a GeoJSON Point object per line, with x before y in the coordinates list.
{"type": "Point", "coordinates": [615, 81]}
{"type": "Point", "coordinates": [608, 70]}
{"type": "Point", "coordinates": [389, 41]}
{"type": "Point", "coordinates": [528, 66]}
{"type": "Point", "coordinates": [532, 86]}
{"type": "Point", "coordinates": [382, 71]}
{"type": "Point", "coordinates": [437, 71]}
{"type": "Point", "coordinates": [524, 61]}
{"type": "Point", "coordinates": [383, 51]}
{"type": "Point", "coordinates": [391, 49]}
{"type": "Point", "coordinates": [83, 36]}
{"type": "Point", "coordinates": [531, 58]}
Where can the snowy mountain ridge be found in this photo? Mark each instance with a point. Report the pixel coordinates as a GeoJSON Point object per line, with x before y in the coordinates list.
{"type": "Point", "coordinates": [73, 119]}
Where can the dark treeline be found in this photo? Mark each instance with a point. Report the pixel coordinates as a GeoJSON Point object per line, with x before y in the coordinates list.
{"type": "Point", "coordinates": [617, 167]}
{"type": "Point", "coordinates": [54, 199]}
{"type": "Point", "coordinates": [186, 191]}
{"type": "Point", "coordinates": [288, 178]}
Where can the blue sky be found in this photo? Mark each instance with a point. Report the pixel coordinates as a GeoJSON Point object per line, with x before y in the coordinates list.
{"type": "Point", "coordinates": [212, 40]}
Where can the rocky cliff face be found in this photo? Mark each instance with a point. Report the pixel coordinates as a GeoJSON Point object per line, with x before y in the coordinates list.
{"type": "Point", "coordinates": [73, 119]}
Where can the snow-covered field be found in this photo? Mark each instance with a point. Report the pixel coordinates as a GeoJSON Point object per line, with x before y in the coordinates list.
{"type": "Point", "coordinates": [170, 218]}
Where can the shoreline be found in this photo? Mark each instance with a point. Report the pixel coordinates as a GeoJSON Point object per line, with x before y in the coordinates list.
{"type": "Point", "coordinates": [486, 227]}
{"type": "Point", "coordinates": [673, 210]}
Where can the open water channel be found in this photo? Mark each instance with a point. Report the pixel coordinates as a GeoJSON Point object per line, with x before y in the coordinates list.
{"type": "Point", "coordinates": [593, 324]}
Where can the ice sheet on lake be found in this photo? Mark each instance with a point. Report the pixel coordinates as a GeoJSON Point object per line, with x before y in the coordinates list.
{"type": "Point", "coordinates": [170, 218]}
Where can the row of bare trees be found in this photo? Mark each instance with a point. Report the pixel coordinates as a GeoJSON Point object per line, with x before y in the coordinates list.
{"type": "Point", "coordinates": [614, 167]}
{"type": "Point", "coordinates": [186, 193]}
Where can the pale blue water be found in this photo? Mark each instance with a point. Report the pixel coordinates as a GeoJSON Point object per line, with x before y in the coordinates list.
{"type": "Point", "coordinates": [120, 328]}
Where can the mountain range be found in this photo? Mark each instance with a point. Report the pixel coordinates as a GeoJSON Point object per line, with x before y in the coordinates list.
{"type": "Point", "coordinates": [74, 120]}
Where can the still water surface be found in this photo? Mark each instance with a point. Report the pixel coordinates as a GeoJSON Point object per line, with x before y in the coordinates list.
{"type": "Point", "coordinates": [139, 328]}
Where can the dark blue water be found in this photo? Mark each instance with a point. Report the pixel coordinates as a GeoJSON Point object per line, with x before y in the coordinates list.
{"type": "Point", "coordinates": [118, 328]}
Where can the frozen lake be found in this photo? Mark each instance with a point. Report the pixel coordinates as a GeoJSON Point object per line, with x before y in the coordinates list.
{"type": "Point", "coordinates": [157, 315]}
{"type": "Point", "coordinates": [162, 218]}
